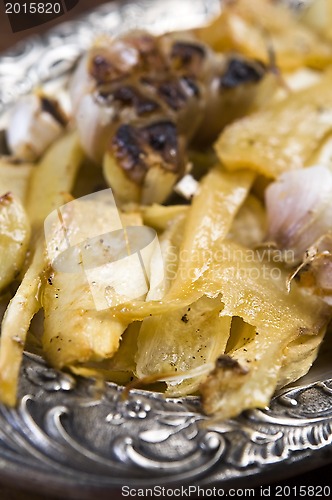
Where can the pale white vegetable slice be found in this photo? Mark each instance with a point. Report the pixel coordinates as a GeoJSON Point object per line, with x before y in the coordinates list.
{"type": "Point", "coordinates": [182, 342]}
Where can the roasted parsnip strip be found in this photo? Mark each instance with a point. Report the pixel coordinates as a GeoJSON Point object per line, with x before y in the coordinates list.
{"type": "Point", "coordinates": [282, 137]}
{"type": "Point", "coordinates": [74, 331]}
{"type": "Point", "coordinates": [53, 176]}
{"type": "Point", "coordinates": [299, 355]}
{"type": "Point", "coordinates": [15, 179]}
{"type": "Point", "coordinates": [181, 341]}
{"type": "Point", "coordinates": [252, 28]}
{"type": "Point", "coordinates": [161, 216]}
{"type": "Point", "coordinates": [208, 221]}
{"type": "Point", "coordinates": [256, 292]}
{"type": "Point", "coordinates": [210, 217]}
{"type": "Point", "coordinates": [14, 238]}
{"type": "Point", "coordinates": [15, 326]}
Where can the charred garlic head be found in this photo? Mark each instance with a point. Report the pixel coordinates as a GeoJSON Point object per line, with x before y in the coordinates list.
{"type": "Point", "coordinates": [140, 101]}
{"type": "Point", "coordinates": [143, 163]}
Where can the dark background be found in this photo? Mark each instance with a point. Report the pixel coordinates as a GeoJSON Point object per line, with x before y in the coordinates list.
{"type": "Point", "coordinates": [8, 38]}
{"type": "Point", "coordinates": [321, 476]}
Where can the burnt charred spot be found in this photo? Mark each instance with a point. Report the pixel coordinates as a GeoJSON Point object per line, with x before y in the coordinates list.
{"type": "Point", "coordinates": [240, 71]}
{"type": "Point", "coordinates": [52, 107]}
{"type": "Point", "coordinates": [187, 54]}
{"type": "Point", "coordinates": [128, 149]}
{"type": "Point", "coordinates": [303, 330]}
{"type": "Point", "coordinates": [101, 69]}
{"type": "Point", "coordinates": [147, 46]}
{"type": "Point", "coordinates": [128, 95]}
{"type": "Point", "coordinates": [127, 140]}
{"type": "Point", "coordinates": [172, 93]}
{"type": "Point", "coordinates": [225, 362]}
{"type": "Point", "coordinates": [6, 199]}
{"type": "Point", "coordinates": [192, 85]}
{"type": "Point", "coordinates": [162, 138]}
{"type": "Point", "coordinates": [138, 149]}
{"type": "Point", "coordinates": [185, 318]}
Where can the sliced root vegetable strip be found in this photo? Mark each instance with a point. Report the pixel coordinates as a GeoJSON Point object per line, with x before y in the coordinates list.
{"type": "Point", "coordinates": [53, 176]}
{"type": "Point", "coordinates": [182, 341]}
{"type": "Point", "coordinates": [282, 137]}
{"type": "Point", "coordinates": [15, 326]}
{"type": "Point", "coordinates": [256, 292]}
{"type": "Point", "coordinates": [208, 221]}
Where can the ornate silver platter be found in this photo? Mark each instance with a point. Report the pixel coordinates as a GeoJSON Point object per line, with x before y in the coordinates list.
{"type": "Point", "coordinates": [65, 437]}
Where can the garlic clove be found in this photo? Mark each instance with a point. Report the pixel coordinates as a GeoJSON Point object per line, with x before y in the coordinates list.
{"type": "Point", "coordinates": [36, 121]}
{"type": "Point", "coordinates": [299, 209]}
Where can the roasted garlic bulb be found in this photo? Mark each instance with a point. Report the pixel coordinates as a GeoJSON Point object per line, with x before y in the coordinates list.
{"type": "Point", "coordinates": [140, 101]}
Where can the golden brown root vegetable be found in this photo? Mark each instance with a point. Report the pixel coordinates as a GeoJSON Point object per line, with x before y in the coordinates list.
{"type": "Point", "coordinates": [14, 238]}
{"type": "Point", "coordinates": [282, 137]}
{"type": "Point", "coordinates": [183, 343]}
{"type": "Point", "coordinates": [256, 291]}
{"type": "Point", "coordinates": [15, 325]}
{"type": "Point", "coordinates": [14, 178]}
{"type": "Point", "coordinates": [253, 28]}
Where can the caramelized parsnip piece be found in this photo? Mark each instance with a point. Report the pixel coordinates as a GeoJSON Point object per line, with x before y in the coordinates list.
{"type": "Point", "coordinates": [53, 176]}
{"type": "Point", "coordinates": [15, 325]}
{"type": "Point", "coordinates": [74, 331]}
{"type": "Point", "coordinates": [208, 221]}
{"type": "Point", "coordinates": [15, 179]}
{"type": "Point", "coordinates": [252, 27]}
{"type": "Point", "coordinates": [282, 137]}
{"type": "Point", "coordinates": [256, 291]}
{"type": "Point", "coordinates": [14, 238]}
{"type": "Point", "coordinates": [182, 343]}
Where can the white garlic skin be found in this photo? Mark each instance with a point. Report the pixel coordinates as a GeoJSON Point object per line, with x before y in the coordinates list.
{"type": "Point", "coordinates": [299, 208]}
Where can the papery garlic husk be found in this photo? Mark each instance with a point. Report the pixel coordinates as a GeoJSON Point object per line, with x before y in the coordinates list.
{"type": "Point", "coordinates": [315, 273]}
{"type": "Point", "coordinates": [299, 209]}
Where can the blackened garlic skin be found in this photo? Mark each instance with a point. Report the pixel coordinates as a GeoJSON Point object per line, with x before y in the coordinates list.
{"type": "Point", "coordinates": [143, 99]}
{"type": "Point", "coordinates": [138, 149]}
